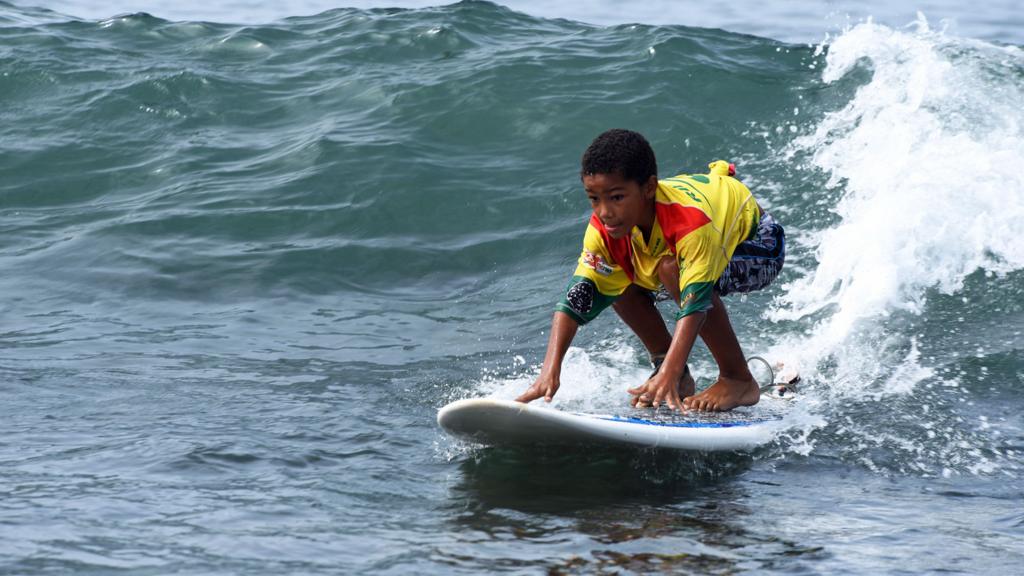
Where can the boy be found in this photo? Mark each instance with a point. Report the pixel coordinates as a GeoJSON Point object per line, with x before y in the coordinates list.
{"type": "Point", "coordinates": [698, 237]}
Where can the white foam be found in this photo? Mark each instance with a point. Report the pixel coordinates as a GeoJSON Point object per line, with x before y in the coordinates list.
{"type": "Point", "coordinates": [592, 380]}
{"type": "Point", "coordinates": [928, 155]}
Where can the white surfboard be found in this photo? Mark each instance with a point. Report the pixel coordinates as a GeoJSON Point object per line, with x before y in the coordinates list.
{"type": "Point", "coordinates": [496, 422]}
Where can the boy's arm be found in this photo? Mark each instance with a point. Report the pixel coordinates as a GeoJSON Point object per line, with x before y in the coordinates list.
{"type": "Point", "coordinates": [695, 257]}
{"type": "Point", "coordinates": [664, 386]}
{"type": "Point", "coordinates": [595, 284]}
{"type": "Point", "coordinates": [563, 329]}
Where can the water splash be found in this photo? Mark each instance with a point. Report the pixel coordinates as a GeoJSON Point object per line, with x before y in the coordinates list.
{"type": "Point", "coordinates": [927, 154]}
{"type": "Point", "coordinates": [594, 378]}
{"type": "Point", "coordinates": [925, 159]}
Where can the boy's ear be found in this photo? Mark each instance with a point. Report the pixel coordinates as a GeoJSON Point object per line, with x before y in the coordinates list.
{"type": "Point", "coordinates": [651, 187]}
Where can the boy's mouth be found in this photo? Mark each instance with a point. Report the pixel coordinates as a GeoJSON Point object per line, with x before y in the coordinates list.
{"type": "Point", "coordinates": [613, 228]}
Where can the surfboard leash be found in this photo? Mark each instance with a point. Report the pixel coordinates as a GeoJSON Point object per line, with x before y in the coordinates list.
{"type": "Point", "coordinates": [785, 389]}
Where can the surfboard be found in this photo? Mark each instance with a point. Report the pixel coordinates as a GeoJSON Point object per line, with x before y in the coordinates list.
{"type": "Point", "coordinates": [494, 421]}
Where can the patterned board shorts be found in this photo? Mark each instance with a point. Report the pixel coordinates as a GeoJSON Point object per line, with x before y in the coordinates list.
{"type": "Point", "coordinates": [754, 265]}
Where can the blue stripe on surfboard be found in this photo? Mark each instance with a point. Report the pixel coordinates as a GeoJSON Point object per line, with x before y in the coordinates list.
{"type": "Point", "coordinates": [683, 424]}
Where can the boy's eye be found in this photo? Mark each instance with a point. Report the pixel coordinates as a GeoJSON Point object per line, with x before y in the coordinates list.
{"type": "Point", "coordinates": [618, 197]}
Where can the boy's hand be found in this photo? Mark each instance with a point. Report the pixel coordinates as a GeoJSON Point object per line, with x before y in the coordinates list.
{"type": "Point", "coordinates": [656, 390]}
{"type": "Point", "coordinates": [545, 386]}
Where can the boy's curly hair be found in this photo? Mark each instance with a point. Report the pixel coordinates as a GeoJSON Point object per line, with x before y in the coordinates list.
{"type": "Point", "coordinates": [623, 152]}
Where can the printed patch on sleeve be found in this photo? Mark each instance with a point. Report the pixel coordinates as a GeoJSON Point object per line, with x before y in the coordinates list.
{"type": "Point", "coordinates": [597, 263]}
{"type": "Point", "coordinates": [581, 297]}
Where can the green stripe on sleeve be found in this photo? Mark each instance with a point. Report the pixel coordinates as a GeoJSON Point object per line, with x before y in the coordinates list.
{"type": "Point", "coordinates": [695, 297]}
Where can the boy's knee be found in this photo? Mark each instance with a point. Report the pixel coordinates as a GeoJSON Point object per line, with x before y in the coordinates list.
{"type": "Point", "coordinates": [668, 271]}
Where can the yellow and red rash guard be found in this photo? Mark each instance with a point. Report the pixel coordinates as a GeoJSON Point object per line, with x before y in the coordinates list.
{"type": "Point", "coordinates": [699, 219]}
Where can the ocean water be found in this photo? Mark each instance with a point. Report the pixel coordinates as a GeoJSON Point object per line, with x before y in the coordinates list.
{"type": "Point", "coordinates": [792, 21]}
{"type": "Point", "coordinates": [245, 260]}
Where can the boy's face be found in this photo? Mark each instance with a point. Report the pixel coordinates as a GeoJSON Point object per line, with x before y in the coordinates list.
{"type": "Point", "coordinates": [621, 204]}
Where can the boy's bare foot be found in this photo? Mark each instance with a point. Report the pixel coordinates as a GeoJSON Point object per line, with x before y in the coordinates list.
{"type": "Point", "coordinates": [725, 394]}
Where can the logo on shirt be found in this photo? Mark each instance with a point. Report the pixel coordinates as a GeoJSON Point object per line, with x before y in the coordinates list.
{"type": "Point", "coordinates": [597, 263]}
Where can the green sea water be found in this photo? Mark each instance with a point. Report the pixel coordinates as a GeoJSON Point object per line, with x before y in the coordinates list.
{"type": "Point", "coordinates": [244, 265]}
